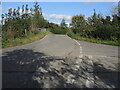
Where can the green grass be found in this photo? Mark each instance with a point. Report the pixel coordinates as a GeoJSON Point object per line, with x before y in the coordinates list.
{"type": "Point", "coordinates": [77, 37]}
{"type": "Point", "coordinates": [98, 41]}
{"type": "Point", "coordinates": [34, 37]}
{"type": "Point", "coordinates": [21, 41]}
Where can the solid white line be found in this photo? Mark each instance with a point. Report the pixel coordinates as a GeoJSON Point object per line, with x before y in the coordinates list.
{"type": "Point", "coordinates": [77, 42]}
{"type": "Point", "coordinates": [69, 37]}
{"type": "Point", "coordinates": [74, 40]}
{"type": "Point", "coordinates": [43, 38]}
{"type": "Point", "coordinates": [90, 57]}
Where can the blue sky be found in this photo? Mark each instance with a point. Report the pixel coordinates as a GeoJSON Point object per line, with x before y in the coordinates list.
{"type": "Point", "coordinates": [56, 11]}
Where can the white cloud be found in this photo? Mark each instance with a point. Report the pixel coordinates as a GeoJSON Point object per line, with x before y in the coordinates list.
{"type": "Point", "coordinates": [68, 24]}
{"type": "Point", "coordinates": [57, 16]}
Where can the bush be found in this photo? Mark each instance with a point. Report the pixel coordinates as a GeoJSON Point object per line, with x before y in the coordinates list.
{"type": "Point", "coordinates": [58, 30]}
{"type": "Point", "coordinates": [104, 32]}
{"type": "Point", "coordinates": [71, 34]}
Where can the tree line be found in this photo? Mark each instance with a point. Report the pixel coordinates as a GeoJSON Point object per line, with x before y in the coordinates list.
{"type": "Point", "coordinates": [19, 22]}
{"type": "Point", "coordinates": [96, 26]}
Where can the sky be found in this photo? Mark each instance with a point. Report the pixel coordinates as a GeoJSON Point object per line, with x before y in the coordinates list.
{"type": "Point", "coordinates": [56, 11]}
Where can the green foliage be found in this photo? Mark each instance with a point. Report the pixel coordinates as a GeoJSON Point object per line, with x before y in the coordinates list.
{"type": "Point", "coordinates": [107, 20]}
{"type": "Point", "coordinates": [101, 30]}
{"type": "Point", "coordinates": [56, 29]}
{"type": "Point", "coordinates": [14, 22]}
{"type": "Point", "coordinates": [116, 20]}
{"type": "Point", "coordinates": [20, 25]}
{"type": "Point", "coordinates": [63, 24]}
{"type": "Point", "coordinates": [78, 23]}
{"type": "Point", "coordinates": [16, 25]}
{"type": "Point", "coordinates": [96, 19]}
{"type": "Point", "coordinates": [23, 40]}
{"type": "Point", "coordinates": [71, 34]}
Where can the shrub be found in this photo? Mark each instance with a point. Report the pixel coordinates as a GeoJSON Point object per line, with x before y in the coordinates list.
{"type": "Point", "coordinates": [71, 34]}
{"type": "Point", "coordinates": [58, 30]}
{"type": "Point", "coordinates": [103, 32]}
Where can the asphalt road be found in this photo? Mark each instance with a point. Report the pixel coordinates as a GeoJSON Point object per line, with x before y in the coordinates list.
{"type": "Point", "coordinates": [105, 54]}
{"type": "Point", "coordinates": [62, 45]}
{"type": "Point", "coordinates": [101, 50]}
{"type": "Point", "coordinates": [53, 45]}
{"type": "Point", "coordinates": [22, 65]}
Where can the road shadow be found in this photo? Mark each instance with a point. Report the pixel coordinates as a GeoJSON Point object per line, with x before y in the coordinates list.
{"type": "Point", "coordinates": [18, 67]}
{"type": "Point", "coordinates": [105, 77]}
{"type": "Point", "coordinates": [99, 74]}
{"type": "Point", "coordinates": [25, 68]}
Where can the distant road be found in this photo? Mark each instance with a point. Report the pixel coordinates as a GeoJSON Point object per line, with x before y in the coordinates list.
{"type": "Point", "coordinates": [53, 45]}
{"type": "Point", "coordinates": [62, 45]}
{"type": "Point", "coordinates": [22, 62]}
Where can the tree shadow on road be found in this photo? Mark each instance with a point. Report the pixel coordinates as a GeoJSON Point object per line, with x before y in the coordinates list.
{"type": "Point", "coordinates": [19, 66]}
{"type": "Point", "coordinates": [25, 68]}
{"type": "Point", "coordinates": [105, 76]}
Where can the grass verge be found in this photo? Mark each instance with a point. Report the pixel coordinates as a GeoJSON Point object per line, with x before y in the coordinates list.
{"type": "Point", "coordinates": [93, 40]}
{"type": "Point", "coordinates": [21, 41]}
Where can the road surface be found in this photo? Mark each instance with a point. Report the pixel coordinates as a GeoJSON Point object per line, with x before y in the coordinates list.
{"type": "Point", "coordinates": [59, 61]}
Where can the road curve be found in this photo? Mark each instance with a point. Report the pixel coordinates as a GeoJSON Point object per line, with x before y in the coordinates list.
{"type": "Point", "coordinates": [53, 45]}
{"type": "Point", "coordinates": [59, 61]}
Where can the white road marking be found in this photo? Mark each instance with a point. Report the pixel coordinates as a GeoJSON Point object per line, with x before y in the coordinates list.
{"type": "Point", "coordinates": [43, 38]}
{"type": "Point", "coordinates": [80, 48]}
{"type": "Point", "coordinates": [78, 61]}
{"type": "Point", "coordinates": [90, 57]}
{"type": "Point", "coordinates": [80, 56]}
{"type": "Point", "coordinates": [90, 81]}
{"type": "Point", "coordinates": [77, 42]}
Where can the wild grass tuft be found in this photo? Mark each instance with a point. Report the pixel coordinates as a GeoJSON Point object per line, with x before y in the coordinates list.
{"type": "Point", "coordinates": [24, 40]}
